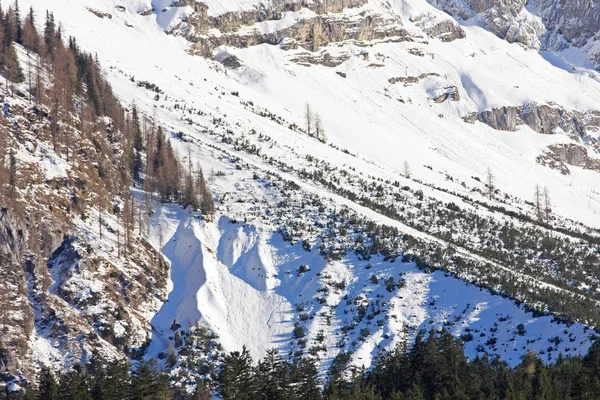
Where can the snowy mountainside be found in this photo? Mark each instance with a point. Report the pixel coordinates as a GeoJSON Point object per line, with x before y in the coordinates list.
{"type": "Point", "coordinates": [70, 289]}
{"type": "Point", "coordinates": [229, 273]}
{"type": "Point", "coordinates": [326, 225]}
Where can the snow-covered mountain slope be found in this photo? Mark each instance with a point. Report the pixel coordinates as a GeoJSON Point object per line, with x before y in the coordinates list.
{"type": "Point", "coordinates": [326, 224]}
{"type": "Point", "coordinates": [363, 112]}
{"type": "Point", "coordinates": [247, 285]}
{"type": "Point", "coordinates": [69, 288]}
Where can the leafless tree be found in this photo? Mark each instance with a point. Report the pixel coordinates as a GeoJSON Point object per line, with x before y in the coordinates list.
{"type": "Point", "coordinates": [547, 204]}
{"type": "Point", "coordinates": [489, 184]}
{"type": "Point", "coordinates": [319, 131]}
{"type": "Point", "coordinates": [308, 119]}
{"type": "Point", "coordinates": [537, 202]}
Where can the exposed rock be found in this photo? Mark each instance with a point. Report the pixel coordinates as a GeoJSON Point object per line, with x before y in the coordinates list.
{"type": "Point", "coordinates": [546, 119]}
{"type": "Point", "coordinates": [99, 14]}
{"type": "Point", "coordinates": [547, 24]}
{"type": "Point", "coordinates": [17, 315]}
{"type": "Point", "coordinates": [288, 44]}
{"type": "Point", "coordinates": [450, 92]}
{"type": "Point", "coordinates": [561, 155]}
{"type": "Point", "coordinates": [318, 23]}
{"type": "Point", "coordinates": [319, 58]}
{"type": "Point", "coordinates": [509, 20]}
{"type": "Point", "coordinates": [471, 118]}
{"type": "Point", "coordinates": [503, 118]}
{"type": "Point", "coordinates": [231, 62]}
{"type": "Point", "coordinates": [445, 29]}
{"type": "Point", "coordinates": [342, 74]}
{"type": "Point", "coordinates": [543, 118]}
{"type": "Point", "coordinates": [415, 51]}
{"type": "Point", "coordinates": [410, 80]}
{"type": "Point", "coordinates": [311, 34]}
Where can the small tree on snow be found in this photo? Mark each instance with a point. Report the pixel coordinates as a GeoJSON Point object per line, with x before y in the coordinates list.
{"type": "Point", "coordinates": [542, 203]}
{"type": "Point", "coordinates": [489, 184]}
{"type": "Point", "coordinates": [547, 205]}
{"type": "Point", "coordinates": [406, 170]}
{"type": "Point", "coordinates": [319, 131]}
{"type": "Point", "coordinates": [308, 119]}
{"type": "Point", "coordinates": [537, 202]}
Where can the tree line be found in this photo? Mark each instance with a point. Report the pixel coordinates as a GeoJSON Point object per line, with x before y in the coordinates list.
{"type": "Point", "coordinates": [433, 367]}
{"type": "Point", "coordinates": [72, 104]}
{"type": "Point", "coordinates": [61, 101]}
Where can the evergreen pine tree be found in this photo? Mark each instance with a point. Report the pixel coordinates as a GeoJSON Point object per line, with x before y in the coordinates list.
{"type": "Point", "coordinates": [144, 380]}
{"type": "Point", "coordinates": [31, 38]}
{"type": "Point", "coordinates": [75, 385]}
{"type": "Point", "coordinates": [18, 28]}
{"type": "Point", "coordinates": [49, 33]}
{"type": "Point", "coordinates": [12, 69]}
{"type": "Point", "coordinates": [235, 378]}
{"type": "Point", "coordinates": [306, 380]}
{"type": "Point", "coordinates": [48, 387]}
{"type": "Point", "coordinates": [202, 392]}
{"type": "Point", "coordinates": [272, 377]}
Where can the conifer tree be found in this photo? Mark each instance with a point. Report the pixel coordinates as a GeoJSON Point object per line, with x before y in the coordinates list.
{"type": "Point", "coordinates": [537, 202]}
{"type": "Point", "coordinates": [2, 41]}
{"type": "Point", "coordinates": [202, 392]}
{"type": "Point", "coordinates": [12, 69]}
{"type": "Point", "coordinates": [12, 172]}
{"type": "Point", "coordinates": [547, 205]}
{"type": "Point", "coordinates": [490, 186]}
{"type": "Point", "coordinates": [48, 387]}
{"type": "Point", "coordinates": [31, 38]}
{"type": "Point", "coordinates": [49, 33]}
{"type": "Point", "coordinates": [306, 380]}
{"type": "Point", "coordinates": [235, 378]}
{"type": "Point", "coordinates": [17, 27]}
{"type": "Point", "coordinates": [272, 377]}
{"type": "Point", "coordinates": [144, 380]}
{"type": "Point", "coordinates": [138, 144]}
{"type": "Point", "coordinates": [319, 130]}
{"type": "Point", "coordinates": [308, 119]}
{"type": "Point", "coordinates": [406, 168]}
{"type": "Point", "coordinates": [75, 385]}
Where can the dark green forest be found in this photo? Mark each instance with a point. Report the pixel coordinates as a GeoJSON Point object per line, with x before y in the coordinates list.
{"type": "Point", "coordinates": [434, 367]}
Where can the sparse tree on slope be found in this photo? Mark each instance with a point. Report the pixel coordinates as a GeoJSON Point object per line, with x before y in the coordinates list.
{"type": "Point", "coordinates": [537, 202]}
{"type": "Point", "coordinates": [308, 119]}
{"type": "Point", "coordinates": [319, 130]}
{"type": "Point", "coordinates": [406, 168]}
{"type": "Point", "coordinates": [489, 184]}
{"type": "Point", "coordinates": [547, 205]}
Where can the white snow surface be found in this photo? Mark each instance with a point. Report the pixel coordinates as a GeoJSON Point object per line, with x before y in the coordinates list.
{"type": "Point", "coordinates": [242, 282]}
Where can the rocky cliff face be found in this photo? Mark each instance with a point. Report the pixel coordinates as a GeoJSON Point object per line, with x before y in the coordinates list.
{"type": "Point", "coordinates": [311, 25]}
{"type": "Point", "coordinates": [542, 118]}
{"type": "Point", "coordinates": [563, 155]}
{"type": "Point", "coordinates": [548, 119]}
{"type": "Point", "coordinates": [17, 315]}
{"type": "Point", "coordinates": [552, 25]}
{"type": "Point", "coordinates": [70, 286]}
